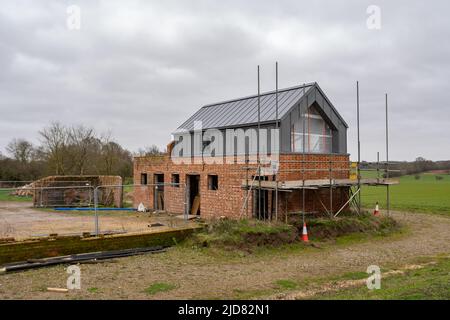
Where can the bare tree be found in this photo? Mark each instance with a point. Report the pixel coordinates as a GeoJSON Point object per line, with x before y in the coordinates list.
{"type": "Point", "coordinates": [81, 139]}
{"type": "Point", "coordinates": [149, 151]}
{"type": "Point", "coordinates": [54, 145]}
{"type": "Point", "coordinates": [21, 150]}
{"type": "Point", "coordinates": [116, 160]}
{"type": "Point", "coordinates": [109, 153]}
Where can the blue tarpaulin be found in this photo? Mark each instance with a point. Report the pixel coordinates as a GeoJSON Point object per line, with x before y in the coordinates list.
{"type": "Point", "coordinates": [92, 209]}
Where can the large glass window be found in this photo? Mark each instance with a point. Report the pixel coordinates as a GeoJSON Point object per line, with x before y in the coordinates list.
{"type": "Point", "coordinates": [315, 137]}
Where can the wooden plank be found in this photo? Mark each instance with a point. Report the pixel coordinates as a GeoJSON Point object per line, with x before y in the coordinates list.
{"type": "Point", "coordinates": [160, 201]}
{"type": "Point", "coordinates": [195, 205]}
{"type": "Point", "coordinates": [60, 290]}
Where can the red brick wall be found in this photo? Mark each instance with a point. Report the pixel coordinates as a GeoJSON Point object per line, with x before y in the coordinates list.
{"type": "Point", "coordinates": [291, 166]}
{"type": "Point", "coordinates": [228, 200]}
{"type": "Point", "coordinates": [312, 204]}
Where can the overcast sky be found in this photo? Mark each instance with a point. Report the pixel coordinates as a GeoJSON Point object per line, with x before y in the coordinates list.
{"type": "Point", "coordinates": [140, 68]}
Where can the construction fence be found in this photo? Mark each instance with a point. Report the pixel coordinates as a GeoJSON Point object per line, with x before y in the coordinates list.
{"type": "Point", "coordinates": [77, 208]}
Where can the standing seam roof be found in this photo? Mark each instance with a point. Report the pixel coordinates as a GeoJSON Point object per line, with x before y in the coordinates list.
{"type": "Point", "coordinates": [245, 110]}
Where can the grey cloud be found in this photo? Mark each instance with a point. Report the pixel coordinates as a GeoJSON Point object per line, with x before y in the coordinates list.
{"type": "Point", "coordinates": [139, 69]}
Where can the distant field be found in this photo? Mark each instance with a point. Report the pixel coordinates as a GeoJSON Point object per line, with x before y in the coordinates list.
{"type": "Point", "coordinates": [426, 194]}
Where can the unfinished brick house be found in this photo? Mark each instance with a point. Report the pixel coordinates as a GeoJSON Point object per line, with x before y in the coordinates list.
{"type": "Point", "coordinates": [312, 163]}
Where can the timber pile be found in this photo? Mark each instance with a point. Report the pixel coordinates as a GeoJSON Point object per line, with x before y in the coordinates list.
{"type": "Point", "coordinates": [24, 191]}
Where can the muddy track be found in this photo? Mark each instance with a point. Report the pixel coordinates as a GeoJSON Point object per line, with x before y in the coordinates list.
{"type": "Point", "coordinates": [204, 276]}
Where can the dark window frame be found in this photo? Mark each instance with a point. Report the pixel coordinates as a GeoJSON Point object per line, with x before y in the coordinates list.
{"type": "Point", "coordinates": [144, 178]}
{"type": "Point", "coordinates": [213, 182]}
{"type": "Point", "coordinates": [175, 179]}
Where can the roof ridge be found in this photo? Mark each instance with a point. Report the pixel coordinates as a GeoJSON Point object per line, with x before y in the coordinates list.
{"type": "Point", "coordinates": [262, 94]}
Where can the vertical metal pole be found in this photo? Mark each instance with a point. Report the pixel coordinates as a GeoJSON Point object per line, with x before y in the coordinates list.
{"type": "Point", "coordinates": [186, 213]}
{"type": "Point", "coordinates": [247, 189]}
{"type": "Point", "coordinates": [331, 175]}
{"type": "Point", "coordinates": [358, 170]}
{"type": "Point", "coordinates": [387, 157]}
{"type": "Point", "coordinates": [90, 198]}
{"type": "Point", "coordinates": [331, 185]}
{"type": "Point", "coordinates": [257, 149]}
{"type": "Point", "coordinates": [40, 196]}
{"type": "Point", "coordinates": [378, 166]}
{"type": "Point", "coordinates": [303, 154]}
{"type": "Point", "coordinates": [286, 206]}
{"type": "Point", "coordinates": [276, 127]}
{"type": "Point", "coordinates": [95, 210]}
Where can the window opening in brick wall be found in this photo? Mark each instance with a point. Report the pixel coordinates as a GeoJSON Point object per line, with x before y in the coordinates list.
{"type": "Point", "coordinates": [213, 182]}
{"type": "Point", "coordinates": [143, 178]}
{"type": "Point", "coordinates": [176, 180]}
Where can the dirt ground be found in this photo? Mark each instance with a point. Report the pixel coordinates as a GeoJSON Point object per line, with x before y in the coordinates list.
{"type": "Point", "coordinates": [203, 273]}
{"type": "Point", "coordinates": [20, 220]}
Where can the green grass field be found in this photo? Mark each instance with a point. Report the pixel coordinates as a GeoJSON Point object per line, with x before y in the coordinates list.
{"type": "Point", "coordinates": [6, 196]}
{"type": "Point", "coordinates": [419, 195]}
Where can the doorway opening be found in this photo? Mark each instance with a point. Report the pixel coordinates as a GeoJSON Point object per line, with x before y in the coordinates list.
{"type": "Point", "coordinates": [261, 201]}
{"type": "Point", "coordinates": [159, 191]}
{"type": "Point", "coordinates": [193, 186]}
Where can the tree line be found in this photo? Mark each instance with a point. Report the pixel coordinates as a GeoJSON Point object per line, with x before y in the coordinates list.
{"type": "Point", "coordinates": [68, 150]}
{"type": "Point", "coordinates": [417, 166]}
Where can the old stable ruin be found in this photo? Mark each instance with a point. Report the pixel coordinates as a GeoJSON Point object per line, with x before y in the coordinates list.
{"type": "Point", "coordinates": [70, 191]}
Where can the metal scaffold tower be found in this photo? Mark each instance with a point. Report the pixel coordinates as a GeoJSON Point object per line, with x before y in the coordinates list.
{"type": "Point", "coordinates": [340, 176]}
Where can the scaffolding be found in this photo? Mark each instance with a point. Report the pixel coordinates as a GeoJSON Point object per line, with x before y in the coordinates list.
{"type": "Point", "coordinates": [353, 182]}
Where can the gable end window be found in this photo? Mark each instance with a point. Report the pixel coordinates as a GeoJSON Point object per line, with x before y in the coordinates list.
{"type": "Point", "coordinates": [311, 133]}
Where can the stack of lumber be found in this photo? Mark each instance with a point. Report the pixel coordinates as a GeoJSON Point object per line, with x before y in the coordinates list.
{"type": "Point", "coordinates": [24, 191]}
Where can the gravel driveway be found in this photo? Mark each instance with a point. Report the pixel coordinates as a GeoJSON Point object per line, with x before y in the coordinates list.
{"type": "Point", "coordinates": [202, 274]}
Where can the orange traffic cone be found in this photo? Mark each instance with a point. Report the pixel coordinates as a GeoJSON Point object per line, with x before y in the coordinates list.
{"type": "Point", "coordinates": [305, 233]}
{"type": "Point", "coordinates": [377, 210]}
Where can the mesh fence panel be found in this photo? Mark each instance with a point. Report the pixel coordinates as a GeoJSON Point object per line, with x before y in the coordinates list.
{"type": "Point", "coordinates": [77, 210]}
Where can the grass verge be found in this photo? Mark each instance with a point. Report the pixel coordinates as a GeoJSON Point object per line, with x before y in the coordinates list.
{"type": "Point", "coordinates": [286, 284]}
{"type": "Point", "coordinates": [255, 236]}
{"type": "Point", "coordinates": [349, 225]}
{"type": "Point", "coordinates": [5, 195]}
{"type": "Point", "coordinates": [244, 234]}
{"type": "Point", "coordinates": [159, 287]}
{"type": "Point", "coordinates": [428, 283]}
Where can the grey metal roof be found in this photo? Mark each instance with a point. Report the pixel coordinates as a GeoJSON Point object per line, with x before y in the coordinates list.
{"type": "Point", "coordinates": [244, 111]}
